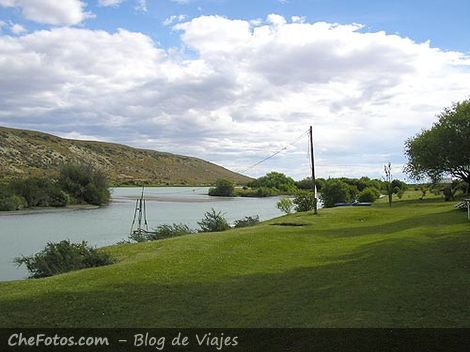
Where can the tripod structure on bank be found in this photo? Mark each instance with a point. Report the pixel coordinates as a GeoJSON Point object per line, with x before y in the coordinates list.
{"type": "Point", "coordinates": [140, 225]}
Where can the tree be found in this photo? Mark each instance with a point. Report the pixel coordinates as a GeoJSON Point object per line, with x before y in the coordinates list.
{"type": "Point", "coordinates": [368, 195]}
{"type": "Point", "coordinates": [444, 149]}
{"type": "Point", "coordinates": [303, 201]}
{"type": "Point", "coordinates": [84, 183]}
{"type": "Point", "coordinates": [223, 188]}
{"type": "Point", "coordinates": [285, 205]}
{"type": "Point", "coordinates": [275, 180]}
{"type": "Point", "coordinates": [388, 182]}
{"type": "Point", "coordinates": [337, 191]}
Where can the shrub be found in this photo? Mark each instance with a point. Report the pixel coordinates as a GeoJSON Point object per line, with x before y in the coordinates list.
{"type": "Point", "coordinates": [84, 183]}
{"type": "Point", "coordinates": [285, 205]}
{"type": "Point", "coordinates": [335, 191]}
{"type": "Point", "coordinates": [247, 221]}
{"type": "Point", "coordinates": [368, 195]}
{"type": "Point", "coordinates": [161, 232]}
{"type": "Point", "coordinates": [303, 201]}
{"type": "Point", "coordinates": [12, 202]}
{"type": "Point", "coordinates": [62, 257]}
{"type": "Point", "coordinates": [223, 188]}
{"type": "Point", "coordinates": [277, 181]}
{"type": "Point", "coordinates": [35, 190]}
{"type": "Point", "coordinates": [213, 222]}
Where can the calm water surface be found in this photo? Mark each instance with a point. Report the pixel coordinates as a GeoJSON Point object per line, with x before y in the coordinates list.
{"type": "Point", "coordinates": [25, 234]}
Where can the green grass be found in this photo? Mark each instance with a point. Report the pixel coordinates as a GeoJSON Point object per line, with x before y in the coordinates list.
{"type": "Point", "coordinates": [407, 266]}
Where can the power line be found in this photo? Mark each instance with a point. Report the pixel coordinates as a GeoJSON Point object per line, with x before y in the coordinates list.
{"type": "Point", "coordinates": [273, 154]}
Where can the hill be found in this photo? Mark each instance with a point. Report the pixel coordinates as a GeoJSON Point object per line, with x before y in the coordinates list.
{"type": "Point", "coordinates": [24, 153]}
{"type": "Point", "coordinates": [348, 267]}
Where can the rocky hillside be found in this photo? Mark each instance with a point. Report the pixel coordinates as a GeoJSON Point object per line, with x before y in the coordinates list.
{"type": "Point", "coordinates": [24, 153]}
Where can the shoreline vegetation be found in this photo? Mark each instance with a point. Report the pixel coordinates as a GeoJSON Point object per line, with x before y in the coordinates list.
{"type": "Point", "coordinates": [373, 253]}
{"type": "Point", "coordinates": [76, 184]}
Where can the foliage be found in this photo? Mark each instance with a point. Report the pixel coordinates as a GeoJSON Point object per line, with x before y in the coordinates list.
{"type": "Point", "coordinates": [306, 184]}
{"type": "Point", "coordinates": [223, 188]}
{"type": "Point", "coordinates": [277, 181]}
{"type": "Point", "coordinates": [257, 192]}
{"type": "Point", "coordinates": [247, 221]}
{"type": "Point", "coordinates": [84, 183]}
{"type": "Point", "coordinates": [444, 148]}
{"type": "Point", "coordinates": [368, 195]}
{"type": "Point", "coordinates": [162, 232]}
{"type": "Point", "coordinates": [9, 200]}
{"type": "Point", "coordinates": [303, 201]}
{"type": "Point", "coordinates": [285, 205]}
{"type": "Point", "coordinates": [337, 191]}
{"type": "Point", "coordinates": [213, 222]}
{"type": "Point", "coordinates": [450, 190]}
{"type": "Point", "coordinates": [39, 192]}
{"type": "Point", "coordinates": [62, 257]}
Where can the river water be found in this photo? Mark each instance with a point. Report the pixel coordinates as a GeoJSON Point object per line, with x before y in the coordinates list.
{"type": "Point", "coordinates": [25, 233]}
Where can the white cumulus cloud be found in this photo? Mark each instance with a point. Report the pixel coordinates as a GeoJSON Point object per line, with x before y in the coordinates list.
{"type": "Point", "coordinates": [63, 12]}
{"type": "Point", "coordinates": [235, 91]}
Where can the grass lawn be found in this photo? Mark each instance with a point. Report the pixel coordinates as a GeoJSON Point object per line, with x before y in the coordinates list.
{"type": "Point", "coordinates": [408, 266]}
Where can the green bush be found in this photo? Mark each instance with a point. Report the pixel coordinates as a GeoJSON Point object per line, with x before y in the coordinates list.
{"type": "Point", "coordinates": [12, 202]}
{"type": "Point", "coordinates": [285, 205]}
{"type": "Point", "coordinates": [62, 257]}
{"type": "Point", "coordinates": [247, 221]}
{"type": "Point", "coordinates": [336, 191]}
{"type": "Point", "coordinates": [257, 192]}
{"type": "Point", "coordinates": [35, 190]}
{"type": "Point", "coordinates": [85, 183]}
{"type": "Point", "coordinates": [213, 222]}
{"type": "Point", "coordinates": [167, 231]}
{"type": "Point", "coordinates": [368, 195]}
{"type": "Point", "coordinates": [303, 201]}
{"type": "Point", "coordinates": [223, 188]}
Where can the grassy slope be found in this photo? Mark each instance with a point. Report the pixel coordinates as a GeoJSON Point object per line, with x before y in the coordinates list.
{"type": "Point", "coordinates": [349, 267]}
{"type": "Point", "coordinates": [25, 152]}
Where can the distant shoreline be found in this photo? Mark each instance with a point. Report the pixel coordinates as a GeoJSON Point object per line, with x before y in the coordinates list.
{"type": "Point", "coordinates": [44, 210]}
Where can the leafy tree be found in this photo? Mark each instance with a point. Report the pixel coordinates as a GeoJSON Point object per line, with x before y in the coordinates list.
{"type": "Point", "coordinates": [275, 180]}
{"type": "Point", "coordinates": [368, 195]}
{"type": "Point", "coordinates": [444, 148]}
{"type": "Point", "coordinates": [303, 201]}
{"type": "Point", "coordinates": [306, 184]}
{"type": "Point", "coordinates": [285, 205]}
{"type": "Point", "coordinates": [337, 191]}
{"type": "Point", "coordinates": [223, 188]}
{"type": "Point", "coordinates": [213, 222]}
{"type": "Point", "coordinates": [85, 183]}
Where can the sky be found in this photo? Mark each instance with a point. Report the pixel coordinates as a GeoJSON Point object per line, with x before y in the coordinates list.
{"type": "Point", "coordinates": [233, 82]}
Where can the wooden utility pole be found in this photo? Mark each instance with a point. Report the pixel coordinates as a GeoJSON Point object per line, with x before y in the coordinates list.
{"type": "Point", "coordinates": [315, 210]}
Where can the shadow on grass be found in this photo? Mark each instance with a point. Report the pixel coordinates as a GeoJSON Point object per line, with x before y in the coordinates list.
{"type": "Point", "coordinates": [391, 283]}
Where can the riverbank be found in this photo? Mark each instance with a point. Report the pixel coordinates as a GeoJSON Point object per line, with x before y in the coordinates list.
{"type": "Point", "coordinates": [47, 210]}
{"type": "Point", "coordinates": [348, 267]}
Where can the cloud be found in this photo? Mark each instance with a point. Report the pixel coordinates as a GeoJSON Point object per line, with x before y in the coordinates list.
{"type": "Point", "coordinates": [106, 3]}
{"type": "Point", "coordinates": [141, 5]}
{"type": "Point", "coordinates": [235, 91]}
{"type": "Point", "coordinates": [174, 19]}
{"type": "Point", "coordinates": [17, 28]}
{"type": "Point", "coordinates": [63, 12]}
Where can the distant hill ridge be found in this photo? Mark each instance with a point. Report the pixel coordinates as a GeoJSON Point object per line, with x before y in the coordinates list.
{"type": "Point", "coordinates": [26, 153]}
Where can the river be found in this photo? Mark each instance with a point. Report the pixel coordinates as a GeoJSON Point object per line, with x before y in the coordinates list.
{"type": "Point", "coordinates": [24, 233]}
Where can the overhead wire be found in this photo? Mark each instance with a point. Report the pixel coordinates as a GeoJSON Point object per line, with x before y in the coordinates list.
{"type": "Point", "coordinates": [273, 154]}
